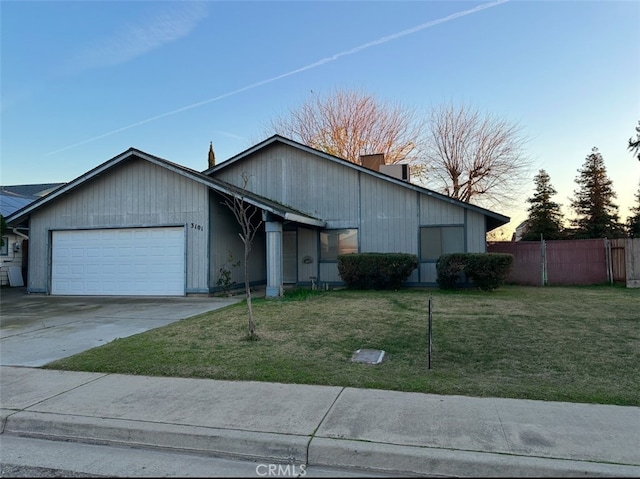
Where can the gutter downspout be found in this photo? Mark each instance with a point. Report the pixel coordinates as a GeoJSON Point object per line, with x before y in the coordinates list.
{"type": "Point", "coordinates": [16, 232]}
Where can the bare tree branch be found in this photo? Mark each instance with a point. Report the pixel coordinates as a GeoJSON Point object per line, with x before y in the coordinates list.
{"type": "Point", "coordinates": [475, 157]}
{"type": "Point", "coordinates": [245, 213]}
{"type": "Point", "coordinates": [348, 124]}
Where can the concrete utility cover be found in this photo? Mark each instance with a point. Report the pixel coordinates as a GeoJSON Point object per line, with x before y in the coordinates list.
{"type": "Point", "coordinates": [368, 356]}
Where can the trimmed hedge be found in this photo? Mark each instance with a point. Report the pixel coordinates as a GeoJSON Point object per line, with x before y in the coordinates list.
{"type": "Point", "coordinates": [376, 270]}
{"type": "Point", "coordinates": [487, 270]}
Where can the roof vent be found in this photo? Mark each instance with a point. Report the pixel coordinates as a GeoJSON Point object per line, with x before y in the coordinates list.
{"type": "Point", "coordinates": [397, 171]}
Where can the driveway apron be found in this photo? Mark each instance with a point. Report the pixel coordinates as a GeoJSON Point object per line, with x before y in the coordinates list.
{"type": "Point", "coordinates": [37, 329]}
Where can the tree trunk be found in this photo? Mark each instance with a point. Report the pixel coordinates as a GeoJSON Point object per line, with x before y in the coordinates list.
{"type": "Point", "coordinates": [247, 287]}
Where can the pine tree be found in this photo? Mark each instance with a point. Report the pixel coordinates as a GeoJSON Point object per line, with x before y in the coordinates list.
{"type": "Point", "coordinates": [633, 222]}
{"type": "Point", "coordinates": [597, 215]}
{"type": "Point", "coordinates": [545, 217]}
{"type": "Point", "coordinates": [634, 145]}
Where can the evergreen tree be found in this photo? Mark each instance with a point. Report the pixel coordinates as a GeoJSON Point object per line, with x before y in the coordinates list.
{"type": "Point", "coordinates": [633, 222]}
{"type": "Point", "coordinates": [597, 215]}
{"type": "Point", "coordinates": [634, 145]}
{"type": "Point", "coordinates": [545, 217]}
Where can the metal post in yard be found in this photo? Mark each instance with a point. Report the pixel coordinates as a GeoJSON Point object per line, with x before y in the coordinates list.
{"type": "Point", "coordinates": [430, 332]}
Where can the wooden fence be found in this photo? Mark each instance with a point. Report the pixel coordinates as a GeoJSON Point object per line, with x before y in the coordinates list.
{"type": "Point", "coordinates": [573, 261]}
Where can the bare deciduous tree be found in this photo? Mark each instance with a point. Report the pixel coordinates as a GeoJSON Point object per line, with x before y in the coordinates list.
{"type": "Point", "coordinates": [348, 124]}
{"type": "Point", "coordinates": [245, 215]}
{"type": "Point", "coordinates": [475, 156]}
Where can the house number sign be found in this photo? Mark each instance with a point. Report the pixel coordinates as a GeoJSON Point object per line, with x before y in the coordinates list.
{"type": "Point", "coordinates": [195, 226]}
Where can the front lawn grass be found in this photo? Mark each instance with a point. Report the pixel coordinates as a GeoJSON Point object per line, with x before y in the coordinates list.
{"type": "Point", "coordinates": [577, 344]}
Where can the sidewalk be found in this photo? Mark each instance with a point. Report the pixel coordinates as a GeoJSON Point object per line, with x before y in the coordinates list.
{"type": "Point", "coordinates": [386, 431]}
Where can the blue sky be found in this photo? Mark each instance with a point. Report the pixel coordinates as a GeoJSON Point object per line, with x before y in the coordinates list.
{"type": "Point", "coordinates": [82, 81]}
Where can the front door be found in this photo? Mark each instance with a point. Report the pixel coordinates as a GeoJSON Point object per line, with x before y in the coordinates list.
{"type": "Point", "coordinates": [289, 257]}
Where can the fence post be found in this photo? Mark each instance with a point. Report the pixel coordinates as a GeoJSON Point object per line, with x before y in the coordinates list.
{"type": "Point", "coordinates": [543, 258]}
{"type": "Point", "coordinates": [608, 259]}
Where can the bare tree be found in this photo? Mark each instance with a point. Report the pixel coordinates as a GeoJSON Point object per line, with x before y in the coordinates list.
{"type": "Point", "coordinates": [347, 124]}
{"type": "Point", "coordinates": [475, 156]}
{"type": "Point", "coordinates": [245, 215]}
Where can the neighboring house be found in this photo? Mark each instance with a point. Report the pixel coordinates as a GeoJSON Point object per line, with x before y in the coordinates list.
{"type": "Point", "coordinates": [520, 231]}
{"type": "Point", "coordinates": [13, 198]}
{"type": "Point", "coordinates": [141, 225]}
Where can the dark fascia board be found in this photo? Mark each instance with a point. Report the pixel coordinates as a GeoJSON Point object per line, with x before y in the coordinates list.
{"type": "Point", "coordinates": [213, 183]}
{"type": "Point", "coordinates": [494, 220]}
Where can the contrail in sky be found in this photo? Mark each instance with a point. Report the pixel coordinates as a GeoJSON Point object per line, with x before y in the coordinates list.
{"type": "Point", "coordinates": [352, 51]}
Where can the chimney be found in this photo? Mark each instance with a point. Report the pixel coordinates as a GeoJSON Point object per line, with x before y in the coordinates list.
{"type": "Point", "coordinates": [373, 162]}
{"type": "Point", "coordinates": [212, 156]}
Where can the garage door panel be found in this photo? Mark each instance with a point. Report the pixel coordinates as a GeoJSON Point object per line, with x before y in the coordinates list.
{"type": "Point", "coordinates": [133, 261]}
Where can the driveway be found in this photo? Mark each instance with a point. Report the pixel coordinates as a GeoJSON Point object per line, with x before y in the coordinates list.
{"type": "Point", "coordinates": [36, 329]}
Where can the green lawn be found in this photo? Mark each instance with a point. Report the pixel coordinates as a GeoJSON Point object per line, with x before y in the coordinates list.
{"type": "Point", "coordinates": [579, 344]}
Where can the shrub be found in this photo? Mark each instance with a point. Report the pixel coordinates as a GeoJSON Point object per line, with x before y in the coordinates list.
{"type": "Point", "coordinates": [450, 269]}
{"type": "Point", "coordinates": [487, 270]}
{"type": "Point", "coordinates": [376, 270]}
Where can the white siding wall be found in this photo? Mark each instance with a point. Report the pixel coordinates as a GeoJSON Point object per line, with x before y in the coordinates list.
{"type": "Point", "coordinates": [12, 258]}
{"type": "Point", "coordinates": [134, 194]}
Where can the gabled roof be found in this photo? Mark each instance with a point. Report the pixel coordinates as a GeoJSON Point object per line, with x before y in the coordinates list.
{"type": "Point", "coordinates": [218, 185]}
{"type": "Point", "coordinates": [494, 220]}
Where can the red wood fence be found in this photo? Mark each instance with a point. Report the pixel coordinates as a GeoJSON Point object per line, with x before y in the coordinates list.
{"type": "Point", "coordinates": [590, 261]}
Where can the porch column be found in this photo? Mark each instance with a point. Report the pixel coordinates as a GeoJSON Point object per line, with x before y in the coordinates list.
{"type": "Point", "coordinates": [273, 230]}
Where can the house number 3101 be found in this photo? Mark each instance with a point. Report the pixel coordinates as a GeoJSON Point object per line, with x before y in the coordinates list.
{"type": "Point", "coordinates": [198, 227]}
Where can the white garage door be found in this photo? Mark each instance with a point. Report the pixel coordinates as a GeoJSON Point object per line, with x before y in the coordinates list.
{"type": "Point", "coordinates": [127, 262]}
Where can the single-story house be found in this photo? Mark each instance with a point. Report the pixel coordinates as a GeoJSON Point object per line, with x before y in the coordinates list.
{"type": "Point", "coordinates": [14, 241]}
{"type": "Point", "coordinates": [141, 225]}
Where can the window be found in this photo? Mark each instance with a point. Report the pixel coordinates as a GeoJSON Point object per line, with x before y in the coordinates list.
{"type": "Point", "coordinates": [4, 249]}
{"type": "Point", "coordinates": [439, 240]}
{"type": "Point", "coordinates": [335, 242]}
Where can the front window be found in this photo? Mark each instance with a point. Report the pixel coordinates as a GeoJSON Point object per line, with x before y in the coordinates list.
{"type": "Point", "coordinates": [4, 249]}
{"type": "Point", "coordinates": [336, 242]}
{"type": "Point", "coordinates": [438, 240]}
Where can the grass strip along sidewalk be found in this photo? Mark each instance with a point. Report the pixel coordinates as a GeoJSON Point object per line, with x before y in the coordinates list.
{"type": "Point", "coordinates": [577, 344]}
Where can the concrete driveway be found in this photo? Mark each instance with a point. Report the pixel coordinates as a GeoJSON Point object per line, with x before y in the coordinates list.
{"type": "Point", "coordinates": [37, 329]}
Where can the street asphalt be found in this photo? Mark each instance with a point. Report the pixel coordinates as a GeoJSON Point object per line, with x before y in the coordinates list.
{"type": "Point", "coordinates": [386, 432]}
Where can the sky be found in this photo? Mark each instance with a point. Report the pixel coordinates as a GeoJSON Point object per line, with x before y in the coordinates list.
{"type": "Point", "coordinates": [83, 81]}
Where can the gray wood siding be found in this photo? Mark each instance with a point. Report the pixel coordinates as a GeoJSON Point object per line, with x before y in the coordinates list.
{"type": "Point", "coordinates": [307, 246]}
{"type": "Point", "coordinates": [134, 194]}
{"type": "Point", "coordinates": [302, 181]}
{"type": "Point", "coordinates": [225, 239]}
{"type": "Point", "coordinates": [434, 211]}
{"type": "Point", "coordinates": [329, 273]}
{"type": "Point", "coordinates": [476, 235]}
{"type": "Point", "coordinates": [389, 217]}
{"type": "Point", "coordinates": [428, 272]}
